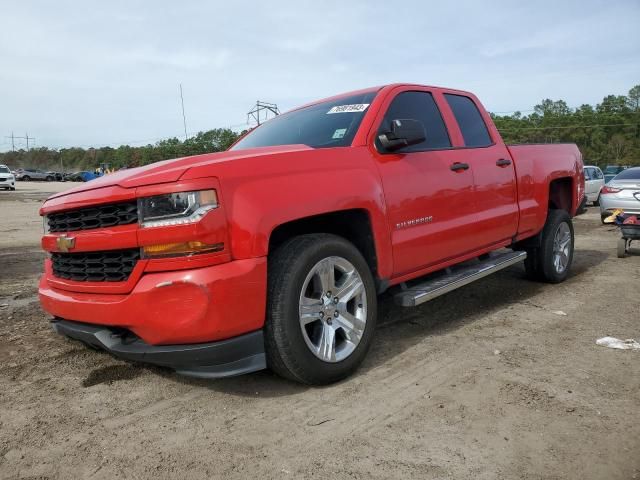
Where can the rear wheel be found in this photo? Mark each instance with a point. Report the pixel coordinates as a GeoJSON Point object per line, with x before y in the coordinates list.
{"type": "Point", "coordinates": [552, 260]}
{"type": "Point", "coordinates": [26, 178]}
{"type": "Point", "coordinates": [622, 248]}
{"type": "Point", "coordinates": [49, 179]}
{"type": "Point", "coordinates": [321, 309]}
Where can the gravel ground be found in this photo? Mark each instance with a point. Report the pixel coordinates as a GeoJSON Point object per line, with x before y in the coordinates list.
{"type": "Point", "coordinates": [500, 379]}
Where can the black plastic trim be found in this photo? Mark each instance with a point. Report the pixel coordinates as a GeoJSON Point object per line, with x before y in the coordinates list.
{"type": "Point", "coordinates": [225, 358]}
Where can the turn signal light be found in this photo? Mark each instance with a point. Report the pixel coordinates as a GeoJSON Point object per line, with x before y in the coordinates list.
{"type": "Point", "coordinates": [607, 189]}
{"type": "Point", "coordinates": [180, 249]}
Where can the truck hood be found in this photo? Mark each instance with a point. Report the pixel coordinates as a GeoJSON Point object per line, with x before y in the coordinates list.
{"type": "Point", "coordinates": [169, 171]}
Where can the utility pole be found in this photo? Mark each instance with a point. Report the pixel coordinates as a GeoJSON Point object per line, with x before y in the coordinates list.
{"type": "Point", "coordinates": [266, 107]}
{"type": "Point", "coordinates": [184, 118]}
{"type": "Point", "coordinates": [13, 143]}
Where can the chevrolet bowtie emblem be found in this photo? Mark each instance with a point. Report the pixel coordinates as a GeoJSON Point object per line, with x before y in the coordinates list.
{"type": "Point", "coordinates": [65, 243]}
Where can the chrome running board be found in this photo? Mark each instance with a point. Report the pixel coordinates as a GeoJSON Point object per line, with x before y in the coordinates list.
{"type": "Point", "coordinates": [456, 277]}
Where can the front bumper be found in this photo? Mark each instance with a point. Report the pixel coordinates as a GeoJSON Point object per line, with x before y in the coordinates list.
{"type": "Point", "coordinates": [190, 306]}
{"type": "Point", "coordinates": [235, 356]}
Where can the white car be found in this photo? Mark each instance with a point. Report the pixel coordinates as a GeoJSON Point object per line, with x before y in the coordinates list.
{"type": "Point", "coordinates": [593, 183]}
{"type": "Point", "coordinates": [7, 180]}
{"type": "Point", "coordinates": [623, 192]}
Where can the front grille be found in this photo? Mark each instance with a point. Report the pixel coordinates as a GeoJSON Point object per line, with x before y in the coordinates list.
{"type": "Point", "coordinates": [99, 216]}
{"type": "Point", "coordinates": [107, 266]}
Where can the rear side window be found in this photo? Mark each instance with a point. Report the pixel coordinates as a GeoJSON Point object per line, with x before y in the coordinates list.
{"type": "Point", "coordinates": [598, 174]}
{"type": "Point", "coordinates": [631, 174]}
{"type": "Point", "coordinates": [418, 106]}
{"type": "Point", "coordinates": [588, 174]}
{"type": "Point", "coordinates": [474, 131]}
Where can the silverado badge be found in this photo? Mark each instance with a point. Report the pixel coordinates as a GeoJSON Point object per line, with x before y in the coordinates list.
{"type": "Point", "coordinates": [64, 243]}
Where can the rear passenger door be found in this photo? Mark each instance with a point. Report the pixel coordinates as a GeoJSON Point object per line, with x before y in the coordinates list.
{"type": "Point", "coordinates": [495, 190]}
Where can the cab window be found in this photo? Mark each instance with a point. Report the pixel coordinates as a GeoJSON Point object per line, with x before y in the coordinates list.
{"type": "Point", "coordinates": [417, 106]}
{"type": "Point", "coordinates": [474, 130]}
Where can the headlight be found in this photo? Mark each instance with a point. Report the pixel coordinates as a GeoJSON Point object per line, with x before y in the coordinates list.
{"type": "Point", "coordinates": [175, 208]}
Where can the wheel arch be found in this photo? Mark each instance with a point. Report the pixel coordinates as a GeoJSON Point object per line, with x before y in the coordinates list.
{"type": "Point", "coordinates": [354, 225]}
{"type": "Point", "coordinates": [561, 195]}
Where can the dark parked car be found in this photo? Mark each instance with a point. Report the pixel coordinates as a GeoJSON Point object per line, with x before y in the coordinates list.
{"type": "Point", "coordinates": [82, 176]}
{"type": "Point", "coordinates": [57, 176]}
{"type": "Point", "coordinates": [614, 169]}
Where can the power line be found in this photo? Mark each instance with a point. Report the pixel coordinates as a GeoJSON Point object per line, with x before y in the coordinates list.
{"type": "Point", "coordinates": [13, 140]}
{"type": "Point", "coordinates": [569, 126]}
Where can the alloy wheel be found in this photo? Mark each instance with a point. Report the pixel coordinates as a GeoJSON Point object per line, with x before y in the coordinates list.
{"type": "Point", "coordinates": [333, 309]}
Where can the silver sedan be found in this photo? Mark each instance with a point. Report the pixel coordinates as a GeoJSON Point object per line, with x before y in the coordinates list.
{"type": "Point", "coordinates": [622, 192]}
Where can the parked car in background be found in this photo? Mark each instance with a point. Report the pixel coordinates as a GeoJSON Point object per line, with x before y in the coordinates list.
{"type": "Point", "coordinates": [623, 192]}
{"type": "Point", "coordinates": [29, 174]}
{"type": "Point", "coordinates": [57, 176]}
{"type": "Point", "coordinates": [614, 169]}
{"type": "Point", "coordinates": [608, 177]}
{"type": "Point", "coordinates": [7, 180]}
{"type": "Point", "coordinates": [593, 182]}
{"type": "Point", "coordinates": [82, 176]}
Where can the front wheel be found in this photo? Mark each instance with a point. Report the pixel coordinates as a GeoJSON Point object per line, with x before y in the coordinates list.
{"type": "Point", "coordinates": [322, 309]}
{"type": "Point", "coordinates": [552, 260]}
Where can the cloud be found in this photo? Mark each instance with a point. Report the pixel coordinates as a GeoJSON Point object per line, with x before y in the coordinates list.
{"type": "Point", "coordinates": [108, 72]}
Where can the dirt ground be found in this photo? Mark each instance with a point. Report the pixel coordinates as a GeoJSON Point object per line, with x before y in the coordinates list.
{"type": "Point", "coordinates": [486, 382]}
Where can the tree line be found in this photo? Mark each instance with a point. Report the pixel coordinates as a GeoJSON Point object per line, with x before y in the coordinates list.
{"type": "Point", "coordinates": [76, 159]}
{"type": "Point", "coordinates": [607, 133]}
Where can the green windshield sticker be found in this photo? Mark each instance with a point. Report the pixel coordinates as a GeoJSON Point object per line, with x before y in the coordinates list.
{"type": "Point", "coordinates": [339, 133]}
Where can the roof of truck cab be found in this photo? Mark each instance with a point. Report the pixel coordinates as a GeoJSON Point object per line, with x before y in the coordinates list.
{"type": "Point", "coordinates": [378, 88]}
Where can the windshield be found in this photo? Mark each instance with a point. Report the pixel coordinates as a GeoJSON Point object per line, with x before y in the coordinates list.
{"type": "Point", "coordinates": [4, 170]}
{"type": "Point", "coordinates": [327, 124]}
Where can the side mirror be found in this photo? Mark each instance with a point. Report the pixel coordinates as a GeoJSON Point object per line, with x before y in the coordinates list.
{"type": "Point", "coordinates": [403, 133]}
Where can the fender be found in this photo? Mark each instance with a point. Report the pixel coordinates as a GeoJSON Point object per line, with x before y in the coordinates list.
{"type": "Point", "coordinates": [261, 194]}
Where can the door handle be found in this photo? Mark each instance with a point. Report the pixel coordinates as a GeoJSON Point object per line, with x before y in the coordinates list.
{"type": "Point", "coordinates": [503, 162]}
{"type": "Point", "coordinates": [459, 166]}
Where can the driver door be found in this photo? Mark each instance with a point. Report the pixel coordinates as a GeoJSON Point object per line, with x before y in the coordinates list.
{"type": "Point", "coordinates": [429, 193]}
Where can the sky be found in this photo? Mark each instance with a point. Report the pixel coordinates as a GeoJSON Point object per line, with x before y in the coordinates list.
{"type": "Point", "coordinates": [102, 73]}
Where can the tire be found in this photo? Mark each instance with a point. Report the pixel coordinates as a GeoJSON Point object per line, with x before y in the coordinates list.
{"type": "Point", "coordinates": [293, 282]}
{"type": "Point", "coordinates": [26, 178]}
{"type": "Point", "coordinates": [551, 261]}
{"type": "Point", "coordinates": [622, 247]}
{"type": "Point", "coordinates": [596, 202]}
{"type": "Point", "coordinates": [12, 189]}
{"type": "Point", "coordinates": [49, 179]}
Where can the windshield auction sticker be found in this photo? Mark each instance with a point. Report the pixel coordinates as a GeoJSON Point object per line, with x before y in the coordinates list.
{"type": "Point", "coordinates": [354, 108]}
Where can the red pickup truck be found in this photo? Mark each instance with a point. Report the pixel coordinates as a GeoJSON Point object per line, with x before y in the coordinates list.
{"type": "Point", "coordinates": [272, 253]}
